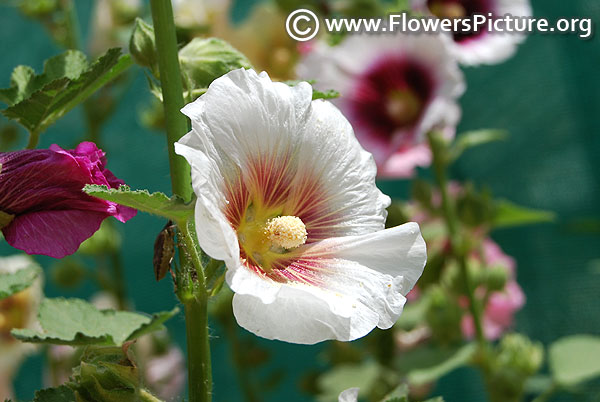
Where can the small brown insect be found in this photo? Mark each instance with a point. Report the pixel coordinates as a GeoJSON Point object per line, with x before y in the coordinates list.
{"type": "Point", "coordinates": [164, 251]}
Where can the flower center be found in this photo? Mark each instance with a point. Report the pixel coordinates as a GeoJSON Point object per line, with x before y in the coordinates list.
{"type": "Point", "coordinates": [287, 231]}
{"type": "Point", "coordinates": [443, 9]}
{"type": "Point", "coordinates": [403, 106]}
{"type": "Point", "coordinates": [266, 236]}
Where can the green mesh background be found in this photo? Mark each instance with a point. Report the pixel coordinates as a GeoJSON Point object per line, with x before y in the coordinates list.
{"type": "Point", "coordinates": [547, 96]}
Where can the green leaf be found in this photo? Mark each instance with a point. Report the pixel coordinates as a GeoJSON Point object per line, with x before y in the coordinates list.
{"type": "Point", "coordinates": [20, 280]}
{"type": "Point", "coordinates": [204, 60]}
{"type": "Point", "coordinates": [106, 374]}
{"type": "Point", "coordinates": [77, 322]}
{"type": "Point", "coordinates": [156, 203]}
{"type": "Point", "coordinates": [439, 363]}
{"type": "Point", "coordinates": [70, 64]}
{"type": "Point", "coordinates": [60, 394]}
{"type": "Point", "coordinates": [475, 138]}
{"type": "Point", "coordinates": [509, 214]}
{"type": "Point", "coordinates": [575, 359]}
{"type": "Point", "coordinates": [38, 101]}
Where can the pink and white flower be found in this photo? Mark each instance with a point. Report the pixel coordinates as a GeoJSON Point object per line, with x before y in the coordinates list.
{"type": "Point", "coordinates": [483, 46]}
{"type": "Point", "coordinates": [394, 89]}
{"type": "Point", "coordinates": [286, 197]}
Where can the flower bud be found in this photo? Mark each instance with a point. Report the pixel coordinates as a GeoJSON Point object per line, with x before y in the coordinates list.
{"type": "Point", "coordinates": [142, 45]}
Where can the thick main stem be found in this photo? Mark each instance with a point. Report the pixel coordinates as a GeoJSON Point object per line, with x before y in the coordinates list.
{"type": "Point", "coordinates": [199, 365]}
{"type": "Point", "coordinates": [193, 295]}
{"type": "Point", "coordinates": [456, 241]}
{"type": "Point", "coordinates": [172, 92]}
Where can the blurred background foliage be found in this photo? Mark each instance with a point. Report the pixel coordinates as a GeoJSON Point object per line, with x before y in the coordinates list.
{"type": "Point", "coordinates": [546, 97]}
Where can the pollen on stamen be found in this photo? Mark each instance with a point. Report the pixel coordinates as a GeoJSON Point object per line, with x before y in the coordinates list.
{"type": "Point", "coordinates": [286, 231]}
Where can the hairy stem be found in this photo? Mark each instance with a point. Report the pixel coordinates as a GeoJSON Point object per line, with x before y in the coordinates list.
{"type": "Point", "coordinates": [199, 362]}
{"type": "Point", "coordinates": [172, 91]}
{"type": "Point", "coordinates": [192, 286]}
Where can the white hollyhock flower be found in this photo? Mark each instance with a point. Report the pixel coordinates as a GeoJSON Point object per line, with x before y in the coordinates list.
{"type": "Point", "coordinates": [287, 198]}
{"type": "Point", "coordinates": [394, 89]}
{"type": "Point", "coordinates": [482, 47]}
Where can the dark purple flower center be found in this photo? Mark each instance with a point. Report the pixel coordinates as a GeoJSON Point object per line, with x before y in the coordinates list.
{"type": "Point", "coordinates": [460, 9]}
{"type": "Point", "coordinates": [391, 96]}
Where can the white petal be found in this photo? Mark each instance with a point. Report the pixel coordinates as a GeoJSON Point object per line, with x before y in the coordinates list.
{"type": "Point", "coordinates": [398, 251]}
{"type": "Point", "coordinates": [215, 235]}
{"type": "Point", "coordinates": [362, 283]}
{"type": "Point", "coordinates": [349, 395]}
{"type": "Point", "coordinates": [331, 151]}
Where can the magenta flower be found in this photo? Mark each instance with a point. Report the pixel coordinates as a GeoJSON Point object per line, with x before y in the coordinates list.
{"type": "Point", "coordinates": [42, 207]}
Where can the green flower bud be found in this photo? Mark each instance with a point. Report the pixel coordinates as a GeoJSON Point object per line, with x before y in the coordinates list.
{"type": "Point", "coordinates": [515, 359]}
{"type": "Point", "coordinates": [443, 315]}
{"type": "Point", "coordinates": [204, 60]}
{"type": "Point", "coordinates": [142, 45]}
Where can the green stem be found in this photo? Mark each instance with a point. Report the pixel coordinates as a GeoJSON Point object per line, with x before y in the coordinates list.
{"type": "Point", "coordinates": [172, 91]}
{"type": "Point", "coordinates": [198, 349]}
{"type": "Point", "coordinates": [192, 291]}
{"type": "Point", "coordinates": [34, 138]}
{"type": "Point", "coordinates": [457, 243]}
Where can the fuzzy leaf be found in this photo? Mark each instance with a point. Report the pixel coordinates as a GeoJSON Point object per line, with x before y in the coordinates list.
{"type": "Point", "coordinates": [18, 281]}
{"type": "Point", "coordinates": [575, 359]}
{"type": "Point", "coordinates": [508, 214]}
{"type": "Point", "coordinates": [156, 203]}
{"type": "Point", "coordinates": [70, 64]}
{"type": "Point", "coordinates": [38, 101]}
{"type": "Point", "coordinates": [77, 322]}
{"type": "Point", "coordinates": [60, 394]}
